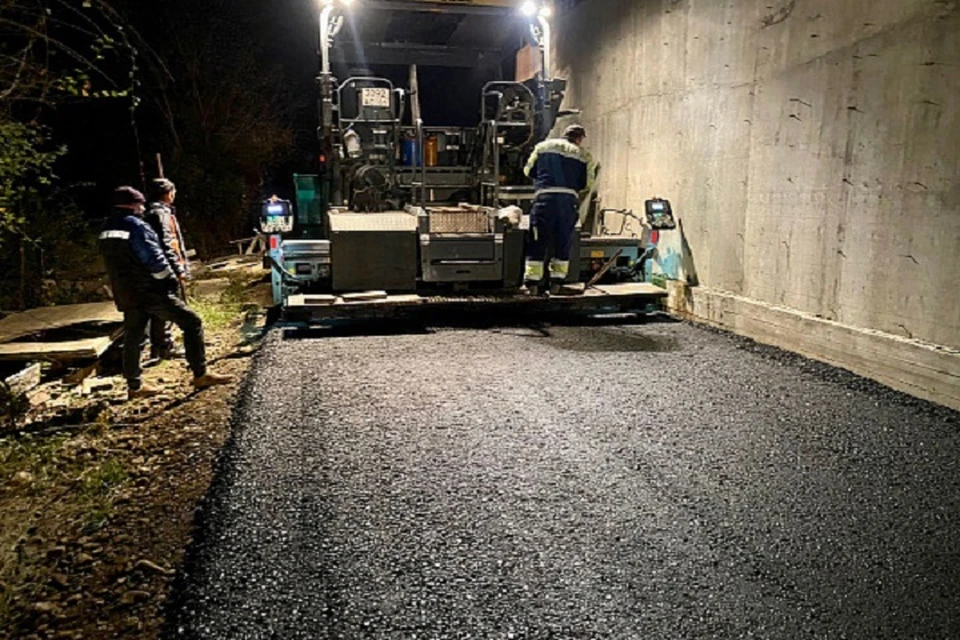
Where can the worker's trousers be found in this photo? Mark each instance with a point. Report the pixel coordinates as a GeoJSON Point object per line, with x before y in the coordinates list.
{"type": "Point", "coordinates": [161, 337]}
{"type": "Point", "coordinates": [168, 308]}
{"type": "Point", "coordinates": [553, 222]}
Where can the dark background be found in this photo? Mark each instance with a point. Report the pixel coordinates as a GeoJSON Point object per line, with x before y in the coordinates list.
{"type": "Point", "coordinates": [107, 141]}
{"type": "Point", "coordinates": [225, 91]}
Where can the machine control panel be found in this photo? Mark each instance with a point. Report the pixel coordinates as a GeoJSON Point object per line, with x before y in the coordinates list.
{"type": "Point", "coordinates": [660, 214]}
{"type": "Point", "coordinates": [276, 216]}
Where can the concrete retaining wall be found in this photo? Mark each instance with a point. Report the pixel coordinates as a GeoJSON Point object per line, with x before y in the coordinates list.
{"type": "Point", "coordinates": [931, 372]}
{"type": "Point", "coordinates": [810, 147]}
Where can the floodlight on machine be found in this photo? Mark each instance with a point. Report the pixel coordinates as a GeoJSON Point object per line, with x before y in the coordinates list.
{"type": "Point", "coordinates": [529, 8]}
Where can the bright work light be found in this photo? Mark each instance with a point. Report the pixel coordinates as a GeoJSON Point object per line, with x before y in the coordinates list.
{"type": "Point", "coordinates": [529, 8]}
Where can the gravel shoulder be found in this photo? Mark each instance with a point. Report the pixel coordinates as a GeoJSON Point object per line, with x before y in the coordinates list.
{"type": "Point", "coordinates": [96, 516]}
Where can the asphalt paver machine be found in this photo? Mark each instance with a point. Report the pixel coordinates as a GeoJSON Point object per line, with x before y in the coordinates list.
{"type": "Point", "coordinates": [402, 216]}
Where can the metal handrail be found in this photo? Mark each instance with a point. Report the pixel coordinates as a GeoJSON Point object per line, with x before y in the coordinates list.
{"type": "Point", "coordinates": [382, 81]}
{"type": "Point", "coordinates": [423, 163]}
{"type": "Point", "coordinates": [496, 165]}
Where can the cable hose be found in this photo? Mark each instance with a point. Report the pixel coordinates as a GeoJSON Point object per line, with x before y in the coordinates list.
{"type": "Point", "coordinates": [286, 275]}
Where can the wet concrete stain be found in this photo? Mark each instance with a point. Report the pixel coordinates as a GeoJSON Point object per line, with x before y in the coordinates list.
{"type": "Point", "coordinates": [608, 340]}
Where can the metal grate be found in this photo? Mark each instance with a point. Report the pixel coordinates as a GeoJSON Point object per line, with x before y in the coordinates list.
{"type": "Point", "coordinates": [390, 221]}
{"type": "Point", "coordinates": [459, 222]}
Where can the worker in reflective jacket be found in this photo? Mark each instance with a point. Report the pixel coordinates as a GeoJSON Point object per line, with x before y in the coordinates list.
{"type": "Point", "coordinates": [561, 170]}
{"type": "Point", "coordinates": [144, 285]}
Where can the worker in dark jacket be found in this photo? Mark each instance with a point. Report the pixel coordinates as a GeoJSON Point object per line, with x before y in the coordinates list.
{"type": "Point", "coordinates": [561, 170]}
{"type": "Point", "coordinates": [144, 285]}
{"type": "Point", "coordinates": [162, 219]}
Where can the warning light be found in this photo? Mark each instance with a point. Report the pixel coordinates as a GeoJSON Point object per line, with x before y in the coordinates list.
{"type": "Point", "coordinates": [274, 243]}
{"type": "Point", "coordinates": [323, 159]}
{"type": "Point", "coordinates": [655, 236]}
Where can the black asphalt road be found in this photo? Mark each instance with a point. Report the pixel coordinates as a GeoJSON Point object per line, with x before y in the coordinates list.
{"type": "Point", "coordinates": [653, 481]}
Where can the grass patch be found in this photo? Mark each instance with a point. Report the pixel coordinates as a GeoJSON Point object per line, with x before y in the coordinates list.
{"type": "Point", "coordinates": [102, 480]}
{"type": "Point", "coordinates": [215, 315]}
{"type": "Point", "coordinates": [13, 406]}
{"type": "Point", "coordinates": [34, 455]}
{"type": "Point", "coordinates": [221, 309]}
{"type": "Point", "coordinates": [95, 492]}
{"type": "Point", "coordinates": [236, 292]}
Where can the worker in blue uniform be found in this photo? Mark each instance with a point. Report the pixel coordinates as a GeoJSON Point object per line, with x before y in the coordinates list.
{"type": "Point", "coordinates": [144, 285]}
{"type": "Point", "coordinates": [562, 170]}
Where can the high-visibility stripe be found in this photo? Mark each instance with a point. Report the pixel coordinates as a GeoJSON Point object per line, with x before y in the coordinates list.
{"type": "Point", "coordinates": [559, 269]}
{"type": "Point", "coordinates": [533, 271]}
{"type": "Point", "coordinates": [115, 234]}
{"type": "Point", "coordinates": [166, 273]}
{"type": "Point", "coordinates": [565, 148]}
{"type": "Point", "coordinates": [563, 190]}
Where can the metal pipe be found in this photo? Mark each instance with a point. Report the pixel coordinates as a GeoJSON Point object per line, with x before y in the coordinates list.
{"type": "Point", "coordinates": [496, 166]}
{"type": "Point", "coordinates": [469, 7]}
{"type": "Point", "coordinates": [423, 164]}
{"type": "Point", "coordinates": [414, 93]}
{"type": "Point", "coordinates": [542, 37]}
{"type": "Point", "coordinates": [546, 44]}
{"type": "Point", "coordinates": [325, 38]}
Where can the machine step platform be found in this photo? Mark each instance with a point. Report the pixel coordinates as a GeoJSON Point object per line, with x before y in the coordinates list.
{"type": "Point", "coordinates": [633, 296]}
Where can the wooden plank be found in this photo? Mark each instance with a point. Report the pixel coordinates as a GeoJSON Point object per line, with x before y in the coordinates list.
{"type": "Point", "coordinates": [630, 289]}
{"type": "Point", "coordinates": [60, 351]}
{"type": "Point", "coordinates": [24, 380]}
{"type": "Point", "coordinates": [364, 296]}
{"type": "Point", "coordinates": [27, 323]}
{"type": "Point", "coordinates": [319, 299]}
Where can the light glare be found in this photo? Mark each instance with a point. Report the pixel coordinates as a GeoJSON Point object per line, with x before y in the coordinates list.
{"type": "Point", "coordinates": [529, 8]}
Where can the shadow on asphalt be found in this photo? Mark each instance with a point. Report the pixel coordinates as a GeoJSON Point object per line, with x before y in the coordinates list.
{"type": "Point", "coordinates": [533, 325]}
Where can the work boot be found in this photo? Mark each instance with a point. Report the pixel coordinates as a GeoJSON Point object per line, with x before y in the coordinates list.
{"type": "Point", "coordinates": [211, 380]}
{"type": "Point", "coordinates": [144, 391]}
{"type": "Point", "coordinates": [532, 289]}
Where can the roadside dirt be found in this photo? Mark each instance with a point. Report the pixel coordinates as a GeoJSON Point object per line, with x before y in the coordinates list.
{"type": "Point", "coordinates": [95, 517]}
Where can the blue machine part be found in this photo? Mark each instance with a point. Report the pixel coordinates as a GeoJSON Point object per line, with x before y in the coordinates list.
{"type": "Point", "coordinates": [276, 219]}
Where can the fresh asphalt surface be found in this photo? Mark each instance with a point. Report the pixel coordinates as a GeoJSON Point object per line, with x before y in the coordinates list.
{"type": "Point", "coordinates": [653, 481]}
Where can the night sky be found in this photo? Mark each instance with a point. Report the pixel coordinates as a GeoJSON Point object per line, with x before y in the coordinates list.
{"type": "Point", "coordinates": [103, 140]}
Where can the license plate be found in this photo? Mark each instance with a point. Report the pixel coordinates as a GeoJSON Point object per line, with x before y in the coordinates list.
{"type": "Point", "coordinates": [375, 97]}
